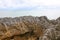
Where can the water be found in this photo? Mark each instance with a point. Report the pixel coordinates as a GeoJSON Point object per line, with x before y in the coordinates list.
{"type": "Point", "coordinates": [51, 14]}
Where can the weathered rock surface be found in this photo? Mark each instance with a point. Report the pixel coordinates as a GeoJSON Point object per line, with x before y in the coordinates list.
{"type": "Point", "coordinates": [29, 28]}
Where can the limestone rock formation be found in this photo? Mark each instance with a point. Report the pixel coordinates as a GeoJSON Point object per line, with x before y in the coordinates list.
{"type": "Point", "coordinates": [29, 28]}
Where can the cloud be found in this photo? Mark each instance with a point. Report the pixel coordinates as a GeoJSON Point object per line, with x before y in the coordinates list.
{"type": "Point", "coordinates": [50, 2]}
{"type": "Point", "coordinates": [18, 3]}
{"type": "Point", "coordinates": [29, 3]}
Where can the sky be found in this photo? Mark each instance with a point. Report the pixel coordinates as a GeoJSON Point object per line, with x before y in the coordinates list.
{"type": "Point", "coordinates": [14, 8]}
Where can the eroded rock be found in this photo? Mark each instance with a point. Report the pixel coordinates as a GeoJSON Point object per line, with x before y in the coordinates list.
{"type": "Point", "coordinates": [29, 28]}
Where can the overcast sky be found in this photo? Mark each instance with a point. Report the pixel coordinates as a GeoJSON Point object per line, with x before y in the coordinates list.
{"type": "Point", "coordinates": [13, 8]}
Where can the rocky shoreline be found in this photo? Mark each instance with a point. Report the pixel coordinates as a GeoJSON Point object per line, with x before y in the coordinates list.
{"type": "Point", "coordinates": [29, 28]}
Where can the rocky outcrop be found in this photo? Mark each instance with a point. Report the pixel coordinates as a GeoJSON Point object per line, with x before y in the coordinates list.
{"type": "Point", "coordinates": [29, 28]}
